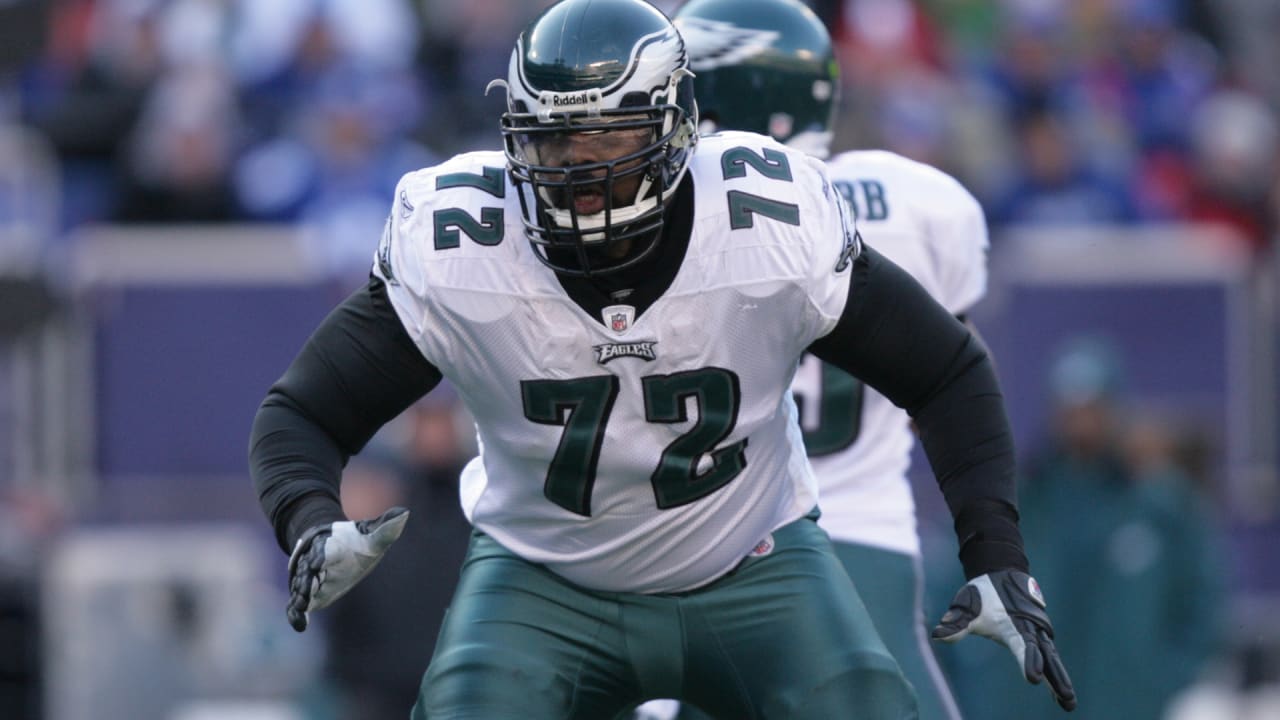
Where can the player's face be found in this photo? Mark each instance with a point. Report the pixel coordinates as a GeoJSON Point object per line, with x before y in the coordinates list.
{"type": "Point", "coordinates": [593, 150]}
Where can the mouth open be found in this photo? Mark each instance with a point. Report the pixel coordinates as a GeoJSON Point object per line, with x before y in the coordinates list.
{"type": "Point", "coordinates": [588, 201]}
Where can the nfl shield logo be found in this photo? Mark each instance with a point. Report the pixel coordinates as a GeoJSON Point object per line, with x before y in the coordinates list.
{"type": "Point", "coordinates": [764, 547]}
{"type": "Point", "coordinates": [618, 318]}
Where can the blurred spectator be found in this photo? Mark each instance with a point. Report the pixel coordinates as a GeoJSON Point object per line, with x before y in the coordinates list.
{"type": "Point", "coordinates": [382, 634]}
{"type": "Point", "coordinates": [1237, 166]}
{"type": "Point", "coordinates": [875, 36]}
{"type": "Point", "coordinates": [1124, 538]}
{"type": "Point", "coordinates": [1033, 66]}
{"type": "Point", "coordinates": [464, 47]}
{"type": "Point", "coordinates": [1157, 73]}
{"type": "Point", "coordinates": [285, 51]}
{"type": "Point", "coordinates": [331, 132]}
{"type": "Point", "coordinates": [181, 150]}
{"type": "Point", "coordinates": [29, 522]}
{"type": "Point", "coordinates": [1055, 182]}
{"type": "Point", "coordinates": [1142, 76]}
{"type": "Point", "coordinates": [335, 163]}
{"type": "Point", "coordinates": [913, 120]}
{"type": "Point", "coordinates": [87, 95]}
{"type": "Point", "coordinates": [29, 197]}
{"type": "Point", "coordinates": [22, 39]}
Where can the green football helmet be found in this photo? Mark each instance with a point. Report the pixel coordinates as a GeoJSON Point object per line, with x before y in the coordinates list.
{"type": "Point", "coordinates": [599, 130]}
{"type": "Point", "coordinates": [765, 66]}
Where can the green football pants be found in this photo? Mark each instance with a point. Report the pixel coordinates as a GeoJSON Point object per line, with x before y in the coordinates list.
{"type": "Point", "coordinates": [782, 636]}
{"type": "Point", "coordinates": [892, 586]}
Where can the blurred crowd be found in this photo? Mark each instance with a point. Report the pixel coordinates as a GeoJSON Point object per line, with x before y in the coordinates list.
{"type": "Point", "coordinates": [1051, 111]}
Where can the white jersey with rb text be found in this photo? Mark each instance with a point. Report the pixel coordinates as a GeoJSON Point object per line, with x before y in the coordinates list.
{"type": "Point", "coordinates": [859, 442]}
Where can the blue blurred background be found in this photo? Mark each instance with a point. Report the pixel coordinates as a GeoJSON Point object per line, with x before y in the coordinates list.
{"type": "Point", "coordinates": [187, 186]}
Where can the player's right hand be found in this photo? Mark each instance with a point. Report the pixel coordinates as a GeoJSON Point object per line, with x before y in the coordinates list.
{"type": "Point", "coordinates": [1007, 606]}
{"type": "Point", "coordinates": [330, 559]}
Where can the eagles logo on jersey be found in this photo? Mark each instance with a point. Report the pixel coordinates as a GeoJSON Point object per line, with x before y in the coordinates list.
{"type": "Point", "coordinates": [613, 351]}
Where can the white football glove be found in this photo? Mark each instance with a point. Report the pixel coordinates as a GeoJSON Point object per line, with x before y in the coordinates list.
{"type": "Point", "coordinates": [330, 559]}
{"type": "Point", "coordinates": [1007, 606]}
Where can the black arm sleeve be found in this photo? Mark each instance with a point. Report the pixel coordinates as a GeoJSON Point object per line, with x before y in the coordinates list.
{"type": "Point", "coordinates": [358, 370]}
{"type": "Point", "coordinates": [901, 342]}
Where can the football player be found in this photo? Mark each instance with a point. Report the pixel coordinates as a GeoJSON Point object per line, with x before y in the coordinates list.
{"type": "Point", "coordinates": [768, 66]}
{"type": "Point", "coordinates": [622, 307]}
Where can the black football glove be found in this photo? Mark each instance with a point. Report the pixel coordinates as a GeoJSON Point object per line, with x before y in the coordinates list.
{"type": "Point", "coordinates": [330, 559]}
{"type": "Point", "coordinates": [1007, 606]}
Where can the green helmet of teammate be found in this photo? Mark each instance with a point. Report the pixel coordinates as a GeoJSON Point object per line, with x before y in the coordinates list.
{"type": "Point", "coordinates": [765, 66]}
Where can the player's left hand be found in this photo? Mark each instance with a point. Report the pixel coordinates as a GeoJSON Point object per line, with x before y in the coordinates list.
{"type": "Point", "coordinates": [1007, 606]}
{"type": "Point", "coordinates": [328, 560]}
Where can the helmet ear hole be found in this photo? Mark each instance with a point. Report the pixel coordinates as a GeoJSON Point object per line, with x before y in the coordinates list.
{"type": "Point", "coordinates": [685, 97]}
{"type": "Point", "coordinates": [635, 99]}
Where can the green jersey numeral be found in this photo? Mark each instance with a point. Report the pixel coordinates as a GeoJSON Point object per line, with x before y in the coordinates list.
{"type": "Point", "coordinates": [489, 181]}
{"type": "Point", "coordinates": [677, 481]}
{"type": "Point", "coordinates": [582, 407]}
{"type": "Point", "coordinates": [771, 164]}
{"type": "Point", "coordinates": [743, 207]}
{"type": "Point", "coordinates": [449, 223]}
{"type": "Point", "coordinates": [452, 222]}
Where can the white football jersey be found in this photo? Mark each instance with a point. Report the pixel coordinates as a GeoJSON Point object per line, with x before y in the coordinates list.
{"type": "Point", "coordinates": [860, 443]}
{"type": "Point", "coordinates": [645, 453]}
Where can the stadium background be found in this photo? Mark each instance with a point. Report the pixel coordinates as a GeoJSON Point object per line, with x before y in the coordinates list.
{"type": "Point", "coordinates": [186, 186]}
